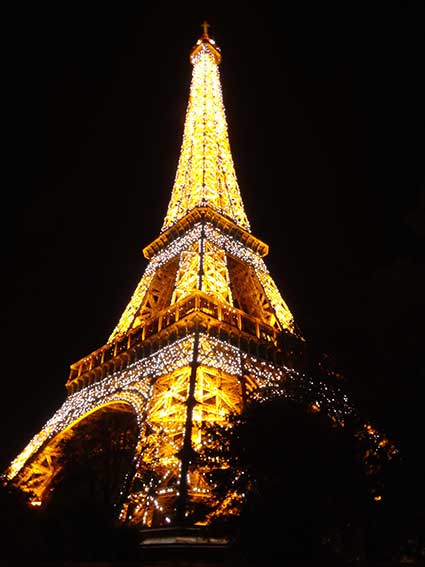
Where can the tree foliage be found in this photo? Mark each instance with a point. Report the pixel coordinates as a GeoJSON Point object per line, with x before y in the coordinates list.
{"type": "Point", "coordinates": [308, 486]}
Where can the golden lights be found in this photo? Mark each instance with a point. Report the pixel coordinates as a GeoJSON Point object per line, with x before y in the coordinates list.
{"type": "Point", "coordinates": [203, 269]}
{"type": "Point", "coordinates": [205, 173]}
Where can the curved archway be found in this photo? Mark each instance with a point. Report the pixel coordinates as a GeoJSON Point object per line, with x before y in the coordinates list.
{"type": "Point", "coordinates": [96, 458]}
{"type": "Point", "coordinates": [99, 445]}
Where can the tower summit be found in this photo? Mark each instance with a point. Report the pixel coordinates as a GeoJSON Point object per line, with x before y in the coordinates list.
{"type": "Point", "coordinates": [205, 173]}
{"type": "Point", "coordinates": [205, 329]}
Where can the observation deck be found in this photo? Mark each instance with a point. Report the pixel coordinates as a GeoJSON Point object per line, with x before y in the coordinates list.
{"type": "Point", "coordinates": [197, 312]}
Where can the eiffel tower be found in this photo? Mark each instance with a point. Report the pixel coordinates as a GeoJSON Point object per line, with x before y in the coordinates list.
{"type": "Point", "coordinates": [205, 329]}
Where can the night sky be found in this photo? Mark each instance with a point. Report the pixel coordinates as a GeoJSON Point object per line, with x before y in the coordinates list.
{"type": "Point", "coordinates": [325, 109]}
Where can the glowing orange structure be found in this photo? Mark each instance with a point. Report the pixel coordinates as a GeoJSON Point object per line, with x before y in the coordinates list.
{"type": "Point", "coordinates": [204, 330]}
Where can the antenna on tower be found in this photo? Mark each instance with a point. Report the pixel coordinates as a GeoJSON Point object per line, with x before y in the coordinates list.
{"type": "Point", "coordinates": [205, 26]}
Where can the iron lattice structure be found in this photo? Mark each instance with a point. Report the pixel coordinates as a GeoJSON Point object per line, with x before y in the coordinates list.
{"type": "Point", "coordinates": [205, 331]}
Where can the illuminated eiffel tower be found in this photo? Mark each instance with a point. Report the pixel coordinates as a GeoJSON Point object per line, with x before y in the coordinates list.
{"type": "Point", "coordinates": [205, 329]}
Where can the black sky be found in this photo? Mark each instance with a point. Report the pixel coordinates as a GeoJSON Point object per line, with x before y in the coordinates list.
{"type": "Point", "coordinates": [326, 123]}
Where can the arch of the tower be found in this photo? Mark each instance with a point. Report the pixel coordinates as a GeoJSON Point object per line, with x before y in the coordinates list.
{"type": "Point", "coordinates": [101, 438]}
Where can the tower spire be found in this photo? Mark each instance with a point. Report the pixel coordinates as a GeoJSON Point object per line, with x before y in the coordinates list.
{"type": "Point", "coordinates": [205, 174]}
